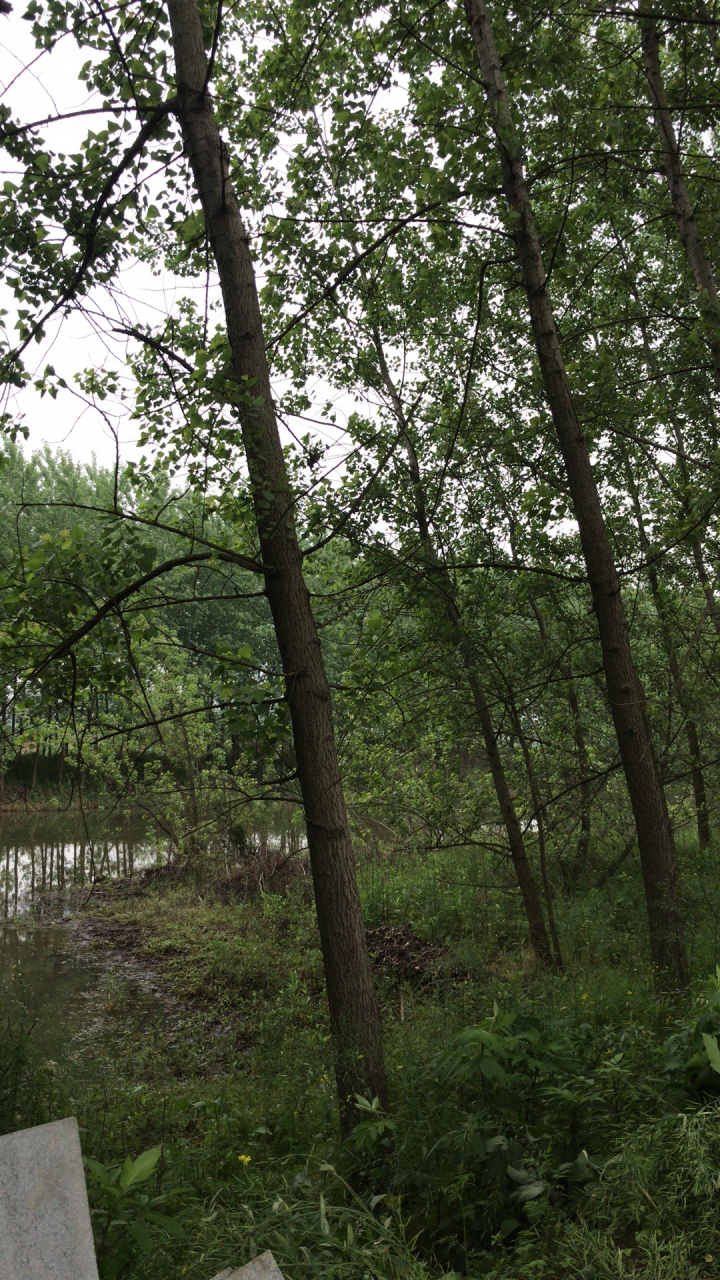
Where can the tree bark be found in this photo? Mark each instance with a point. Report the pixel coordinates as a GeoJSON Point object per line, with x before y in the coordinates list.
{"type": "Point", "coordinates": [706, 584]}
{"type": "Point", "coordinates": [697, 776]}
{"type": "Point", "coordinates": [354, 1011]}
{"type": "Point", "coordinates": [192, 806]}
{"type": "Point", "coordinates": [540, 820]}
{"type": "Point", "coordinates": [682, 466]}
{"type": "Point", "coordinates": [523, 871]}
{"type": "Point", "coordinates": [679, 197]}
{"type": "Point", "coordinates": [626, 696]}
{"type": "Point", "coordinates": [518, 853]}
{"type": "Point", "coordinates": [582, 851]}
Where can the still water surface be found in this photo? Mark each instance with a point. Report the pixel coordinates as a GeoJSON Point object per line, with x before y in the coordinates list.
{"type": "Point", "coordinates": [49, 965]}
{"type": "Point", "coordinates": [46, 859]}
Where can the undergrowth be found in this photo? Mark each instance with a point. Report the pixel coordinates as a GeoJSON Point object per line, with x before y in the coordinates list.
{"type": "Point", "coordinates": [552, 1126]}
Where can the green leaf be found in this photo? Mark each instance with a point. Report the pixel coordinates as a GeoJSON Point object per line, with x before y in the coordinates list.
{"type": "Point", "coordinates": [140, 1236]}
{"type": "Point", "coordinates": [324, 1224]}
{"type": "Point", "coordinates": [99, 1173]}
{"type": "Point", "coordinates": [134, 1171]}
{"type": "Point", "coordinates": [164, 1220]}
{"type": "Point", "coordinates": [713, 1053]}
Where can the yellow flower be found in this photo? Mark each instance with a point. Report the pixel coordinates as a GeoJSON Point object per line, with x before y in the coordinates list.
{"type": "Point", "coordinates": [245, 1159]}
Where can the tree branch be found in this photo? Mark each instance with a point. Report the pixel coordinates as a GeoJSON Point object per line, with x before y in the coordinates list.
{"type": "Point", "coordinates": [66, 645]}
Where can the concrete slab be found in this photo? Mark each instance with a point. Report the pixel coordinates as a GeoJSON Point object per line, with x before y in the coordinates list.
{"type": "Point", "coordinates": [45, 1231]}
{"type": "Point", "coordinates": [264, 1267]}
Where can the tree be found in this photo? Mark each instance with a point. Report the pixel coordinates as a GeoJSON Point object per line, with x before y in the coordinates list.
{"type": "Point", "coordinates": [353, 1007]}
{"type": "Point", "coordinates": [625, 693]}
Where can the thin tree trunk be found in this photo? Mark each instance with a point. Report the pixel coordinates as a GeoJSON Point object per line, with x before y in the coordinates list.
{"type": "Point", "coordinates": [697, 776]}
{"type": "Point", "coordinates": [706, 584]}
{"type": "Point", "coordinates": [677, 186]}
{"type": "Point", "coordinates": [518, 853]}
{"type": "Point", "coordinates": [192, 805]}
{"type": "Point", "coordinates": [582, 851]}
{"type": "Point", "coordinates": [540, 820]}
{"type": "Point", "coordinates": [682, 467]}
{"type": "Point", "coordinates": [523, 871]}
{"type": "Point", "coordinates": [354, 1011]}
{"type": "Point", "coordinates": [626, 696]}
{"type": "Point", "coordinates": [616, 863]}
{"type": "Point", "coordinates": [696, 772]}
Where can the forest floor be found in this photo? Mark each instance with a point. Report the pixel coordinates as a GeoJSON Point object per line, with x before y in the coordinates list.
{"type": "Point", "coordinates": [563, 1135]}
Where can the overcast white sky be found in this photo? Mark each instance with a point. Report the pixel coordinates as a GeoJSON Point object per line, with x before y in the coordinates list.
{"type": "Point", "coordinates": [33, 88]}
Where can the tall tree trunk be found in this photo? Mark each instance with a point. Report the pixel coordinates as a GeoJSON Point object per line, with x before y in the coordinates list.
{"type": "Point", "coordinates": [582, 851]}
{"type": "Point", "coordinates": [697, 775]}
{"type": "Point", "coordinates": [354, 1012]}
{"type": "Point", "coordinates": [696, 772]}
{"type": "Point", "coordinates": [540, 820]}
{"type": "Point", "coordinates": [706, 584]}
{"type": "Point", "coordinates": [518, 853]}
{"type": "Point", "coordinates": [192, 811]}
{"type": "Point", "coordinates": [626, 696]}
{"type": "Point", "coordinates": [679, 197]}
{"type": "Point", "coordinates": [682, 460]}
{"type": "Point", "coordinates": [523, 871]}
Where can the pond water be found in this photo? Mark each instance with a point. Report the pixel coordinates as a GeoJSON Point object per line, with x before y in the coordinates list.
{"type": "Point", "coordinates": [49, 964]}
{"type": "Point", "coordinates": [46, 859]}
{"type": "Point", "coordinates": [54, 962]}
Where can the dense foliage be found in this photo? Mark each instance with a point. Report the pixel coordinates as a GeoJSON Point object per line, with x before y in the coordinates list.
{"type": "Point", "coordinates": [483, 246]}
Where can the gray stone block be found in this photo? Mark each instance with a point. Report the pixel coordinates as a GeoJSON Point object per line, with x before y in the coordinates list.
{"type": "Point", "coordinates": [45, 1231]}
{"type": "Point", "coordinates": [264, 1267]}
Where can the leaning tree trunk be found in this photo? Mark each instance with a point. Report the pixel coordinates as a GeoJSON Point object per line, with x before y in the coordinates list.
{"type": "Point", "coordinates": [523, 870]}
{"type": "Point", "coordinates": [582, 851]}
{"type": "Point", "coordinates": [354, 1012]}
{"type": "Point", "coordinates": [539, 816]}
{"type": "Point", "coordinates": [706, 584]}
{"type": "Point", "coordinates": [626, 696]}
{"type": "Point", "coordinates": [682, 457]}
{"type": "Point", "coordinates": [532, 903]}
{"type": "Point", "coordinates": [677, 186]}
{"type": "Point", "coordinates": [697, 776]}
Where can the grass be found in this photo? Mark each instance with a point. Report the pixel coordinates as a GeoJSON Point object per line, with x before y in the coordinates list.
{"type": "Point", "coordinates": [566, 1137]}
